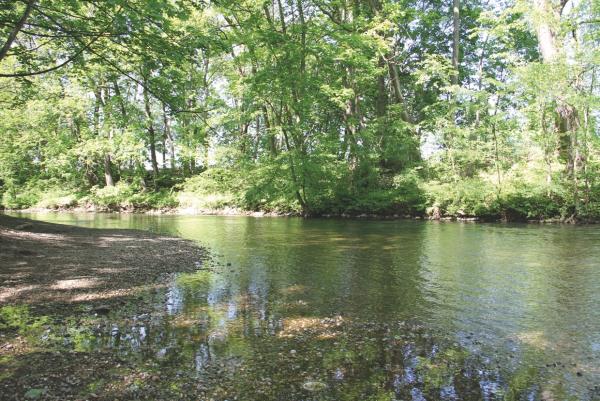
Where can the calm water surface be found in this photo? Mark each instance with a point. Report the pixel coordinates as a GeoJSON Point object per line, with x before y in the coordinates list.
{"type": "Point", "coordinates": [343, 310]}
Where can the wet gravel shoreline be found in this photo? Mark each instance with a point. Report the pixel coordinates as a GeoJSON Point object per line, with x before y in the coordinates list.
{"type": "Point", "coordinates": [42, 263]}
{"type": "Point", "coordinates": [64, 279]}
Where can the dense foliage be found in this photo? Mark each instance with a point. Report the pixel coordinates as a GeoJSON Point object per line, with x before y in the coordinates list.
{"type": "Point", "coordinates": [420, 107]}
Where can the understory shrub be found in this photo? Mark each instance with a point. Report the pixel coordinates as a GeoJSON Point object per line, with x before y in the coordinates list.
{"type": "Point", "coordinates": [515, 200]}
{"type": "Point", "coordinates": [469, 197]}
{"type": "Point", "coordinates": [130, 196]}
{"type": "Point", "coordinates": [214, 188]}
{"type": "Point", "coordinates": [519, 202]}
{"type": "Point", "coordinates": [43, 194]}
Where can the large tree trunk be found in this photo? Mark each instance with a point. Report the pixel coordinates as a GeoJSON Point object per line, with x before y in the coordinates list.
{"type": "Point", "coordinates": [545, 34]}
{"type": "Point", "coordinates": [108, 178]}
{"type": "Point", "coordinates": [455, 39]}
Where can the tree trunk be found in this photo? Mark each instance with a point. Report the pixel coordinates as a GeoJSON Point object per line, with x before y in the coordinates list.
{"type": "Point", "coordinates": [299, 197]}
{"type": "Point", "coordinates": [302, 36]}
{"type": "Point", "coordinates": [545, 34]}
{"type": "Point", "coordinates": [15, 31]}
{"type": "Point", "coordinates": [271, 135]}
{"type": "Point", "coordinates": [281, 17]}
{"type": "Point", "coordinates": [169, 137]}
{"type": "Point", "coordinates": [121, 102]}
{"type": "Point", "coordinates": [455, 40]}
{"type": "Point", "coordinates": [482, 56]}
{"type": "Point", "coordinates": [108, 178]}
{"type": "Point", "coordinates": [151, 133]}
{"type": "Point", "coordinates": [395, 78]}
{"type": "Point", "coordinates": [382, 98]}
{"type": "Point", "coordinates": [566, 115]}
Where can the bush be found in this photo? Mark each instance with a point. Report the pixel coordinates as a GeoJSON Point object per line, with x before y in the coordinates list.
{"type": "Point", "coordinates": [468, 197]}
{"type": "Point", "coordinates": [410, 196]}
{"type": "Point", "coordinates": [130, 196]}
{"type": "Point", "coordinates": [44, 194]}
{"type": "Point", "coordinates": [23, 200]}
{"type": "Point", "coordinates": [162, 199]}
{"type": "Point", "coordinates": [520, 202]}
{"type": "Point", "coordinates": [211, 189]}
{"type": "Point", "coordinates": [205, 201]}
{"type": "Point", "coordinates": [269, 187]}
{"type": "Point", "coordinates": [517, 200]}
{"type": "Point", "coordinates": [110, 197]}
{"type": "Point", "coordinates": [57, 199]}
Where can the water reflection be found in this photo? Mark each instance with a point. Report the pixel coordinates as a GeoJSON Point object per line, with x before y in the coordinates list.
{"type": "Point", "coordinates": [373, 310]}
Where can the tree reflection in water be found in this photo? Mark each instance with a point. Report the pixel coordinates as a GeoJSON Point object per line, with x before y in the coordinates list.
{"type": "Point", "coordinates": [231, 344]}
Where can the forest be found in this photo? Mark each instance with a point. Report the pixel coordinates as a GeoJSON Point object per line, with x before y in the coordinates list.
{"type": "Point", "coordinates": [422, 108]}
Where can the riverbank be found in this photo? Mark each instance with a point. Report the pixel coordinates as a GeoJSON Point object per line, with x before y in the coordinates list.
{"type": "Point", "coordinates": [229, 211]}
{"type": "Point", "coordinates": [422, 199]}
{"type": "Point", "coordinates": [57, 283]}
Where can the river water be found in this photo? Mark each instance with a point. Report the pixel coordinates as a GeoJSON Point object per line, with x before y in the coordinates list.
{"type": "Point", "coordinates": [297, 309]}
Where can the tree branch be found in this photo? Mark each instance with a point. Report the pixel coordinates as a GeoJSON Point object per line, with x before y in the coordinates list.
{"type": "Point", "coordinates": [13, 34]}
{"type": "Point", "coordinates": [56, 67]}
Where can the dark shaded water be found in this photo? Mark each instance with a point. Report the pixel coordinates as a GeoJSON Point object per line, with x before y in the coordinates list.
{"type": "Point", "coordinates": [381, 310]}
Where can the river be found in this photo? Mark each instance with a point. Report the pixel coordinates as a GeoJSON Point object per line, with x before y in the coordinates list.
{"type": "Point", "coordinates": [346, 309]}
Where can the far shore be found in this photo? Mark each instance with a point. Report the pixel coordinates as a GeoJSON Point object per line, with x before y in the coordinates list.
{"type": "Point", "coordinates": [237, 212]}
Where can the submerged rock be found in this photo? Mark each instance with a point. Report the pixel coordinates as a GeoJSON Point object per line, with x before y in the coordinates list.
{"type": "Point", "coordinates": [24, 226]}
{"type": "Point", "coordinates": [314, 386]}
{"type": "Point", "coordinates": [102, 309]}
